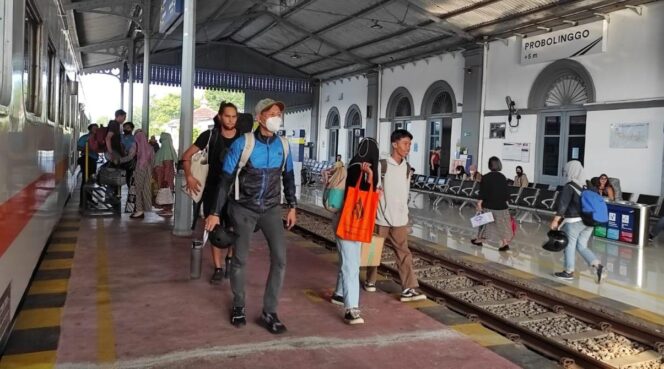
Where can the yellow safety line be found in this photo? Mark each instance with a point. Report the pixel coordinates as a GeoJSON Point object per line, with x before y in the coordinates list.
{"type": "Point", "coordinates": [105, 335]}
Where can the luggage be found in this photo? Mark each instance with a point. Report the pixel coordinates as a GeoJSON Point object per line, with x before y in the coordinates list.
{"type": "Point", "coordinates": [111, 176]}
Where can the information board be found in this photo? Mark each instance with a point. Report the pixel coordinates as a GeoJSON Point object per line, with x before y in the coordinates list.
{"type": "Point", "coordinates": [622, 225]}
{"type": "Point", "coordinates": [171, 10]}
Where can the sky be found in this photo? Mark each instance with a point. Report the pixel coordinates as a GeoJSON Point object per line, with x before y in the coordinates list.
{"type": "Point", "coordinates": [102, 94]}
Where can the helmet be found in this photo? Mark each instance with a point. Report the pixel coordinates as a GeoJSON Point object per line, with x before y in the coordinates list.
{"type": "Point", "coordinates": [222, 237]}
{"type": "Point", "coordinates": [557, 241]}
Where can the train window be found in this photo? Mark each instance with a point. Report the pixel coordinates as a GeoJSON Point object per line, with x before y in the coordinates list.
{"type": "Point", "coordinates": [52, 85]}
{"type": "Point", "coordinates": [5, 58]}
{"type": "Point", "coordinates": [61, 94]}
{"type": "Point", "coordinates": [31, 59]}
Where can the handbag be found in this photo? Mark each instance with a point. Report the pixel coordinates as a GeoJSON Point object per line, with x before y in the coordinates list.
{"type": "Point", "coordinates": [111, 176]}
{"type": "Point", "coordinates": [358, 215]}
{"type": "Point", "coordinates": [164, 197]}
{"type": "Point", "coordinates": [372, 251]}
{"type": "Point", "coordinates": [481, 219]}
{"type": "Point", "coordinates": [199, 169]}
{"type": "Point", "coordinates": [333, 195]}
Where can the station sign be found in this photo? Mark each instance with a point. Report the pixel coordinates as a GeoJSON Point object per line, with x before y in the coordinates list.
{"type": "Point", "coordinates": [571, 42]}
{"type": "Point", "coordinates": [171, 12]}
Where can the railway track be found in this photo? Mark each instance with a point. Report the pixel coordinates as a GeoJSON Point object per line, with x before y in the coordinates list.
{"type": "Point", "coordinates": [576, 335]}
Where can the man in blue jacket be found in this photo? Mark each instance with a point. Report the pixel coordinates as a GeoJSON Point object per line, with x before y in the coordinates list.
{"type": "Point", "coordinates": [256, 201]}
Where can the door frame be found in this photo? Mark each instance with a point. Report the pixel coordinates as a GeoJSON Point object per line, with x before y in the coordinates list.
{"type": "Point", "coordinates": [564, 115]}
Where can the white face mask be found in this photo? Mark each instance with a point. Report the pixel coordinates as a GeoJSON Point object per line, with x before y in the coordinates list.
{"type": "Point", "coordinates": [273, 124]}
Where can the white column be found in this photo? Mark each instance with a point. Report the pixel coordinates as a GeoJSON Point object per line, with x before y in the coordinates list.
{"type": "Point", "coordinates": [183, 210]}
{"type": "Point", "coordinates": [146, 68]}
{"type": "Point", "coordinates": [130, 83]}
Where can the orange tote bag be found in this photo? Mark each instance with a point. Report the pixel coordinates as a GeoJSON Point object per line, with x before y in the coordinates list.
{"type": "Point", "coordinates": [358, 215]}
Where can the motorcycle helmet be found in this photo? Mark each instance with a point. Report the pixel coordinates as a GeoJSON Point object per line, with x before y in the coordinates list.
{"type": "Point", "coordinates": [222, 237]}
{"type": "Point", "coordinates": [557, 241]}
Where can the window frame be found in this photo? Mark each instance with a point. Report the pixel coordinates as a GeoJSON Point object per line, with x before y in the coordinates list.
{"type": "Point", "coordinates": [31, 59]}
{"type": "Point", "coordinates": [51, 106]}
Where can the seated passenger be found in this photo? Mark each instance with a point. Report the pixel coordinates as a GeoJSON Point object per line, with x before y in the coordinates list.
{"type": "Point", "coordinates": [474, 175]}
{"type": "Point", "coordinates": [520, 180]}
{"type": "Point", "coordinates": [461, 173]}
{"type": "Point", "coordinates": [605, 188]}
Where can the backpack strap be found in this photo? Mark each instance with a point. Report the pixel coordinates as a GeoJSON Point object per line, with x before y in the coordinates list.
{"type": "Point", "coordinates": [249, 143]}
{"type": "Point", "coordinates": [382, 163]}
{"type": "Point", "coordinates": [286, 149]}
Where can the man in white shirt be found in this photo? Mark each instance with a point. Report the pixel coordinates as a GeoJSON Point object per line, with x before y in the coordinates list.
{"type": "Point", "coordinates": [392, 216]}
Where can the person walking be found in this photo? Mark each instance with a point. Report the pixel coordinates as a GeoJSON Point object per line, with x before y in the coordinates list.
{"type": "Point", "coordinates": [217, 141]}
{"type": "Point", "coordinates": [347, 291]}
{"type": "Point", "coordinates": [257, 202]}
{"type": "Point", "coordinates": [578, 234]}
{"type": "Point", "coordinates": [164, 169]}
{"type": "Point", "coordinates": [142, 175]}
{"type": "Point", "coordinates": [392, 217]}
{"type": "Point", "coordinates": [494, 197]}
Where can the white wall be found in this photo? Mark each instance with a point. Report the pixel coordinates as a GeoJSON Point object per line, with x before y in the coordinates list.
{"type": "Point", "coordinates": [525, 133]}
{"type": "Point", "coordinates": [639, 170]}
{"type": "Point", "coordinates": [299, 120]}
{"type": "Point", "coordinates": [630, 69]}
{"type": "Point", "coordinates": [341, 94]}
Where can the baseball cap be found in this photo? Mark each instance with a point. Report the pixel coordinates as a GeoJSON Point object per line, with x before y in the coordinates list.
{"type": "Point", "coordinates": [265, 104]}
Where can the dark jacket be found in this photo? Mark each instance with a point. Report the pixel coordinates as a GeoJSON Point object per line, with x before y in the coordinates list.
{"type": "Point", "coordinates": [261, 179]}
{"type": "Point", "coordinates": [570, 202]}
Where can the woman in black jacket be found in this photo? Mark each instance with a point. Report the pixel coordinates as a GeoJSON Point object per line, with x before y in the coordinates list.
{"type": "Point", "coordinates": [494, 197]}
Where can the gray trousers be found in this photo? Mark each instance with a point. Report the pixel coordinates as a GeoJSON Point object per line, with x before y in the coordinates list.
{"type": "Point", "coordinates": [270, 222]}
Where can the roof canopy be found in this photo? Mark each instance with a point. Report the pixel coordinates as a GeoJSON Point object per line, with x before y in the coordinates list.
{"type": "Point", "coordinates": [319, 38]}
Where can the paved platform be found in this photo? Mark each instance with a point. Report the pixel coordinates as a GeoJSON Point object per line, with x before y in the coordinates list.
{"type": "Point", "coordinates": [634, 277]}
{"type": "Point", "coordinates": [130, 304]}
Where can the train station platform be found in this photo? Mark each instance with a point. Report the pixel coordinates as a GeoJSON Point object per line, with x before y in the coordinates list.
{"type": "Point", "coordinates": [116, 292]}
{"type": "Point", "coordinates": [633, 280]}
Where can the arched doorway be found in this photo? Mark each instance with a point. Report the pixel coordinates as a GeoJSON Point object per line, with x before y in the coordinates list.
{"type": "Point", "coordinates": [354, 129]}
{"type": "Point", "coordinates": [438, 106]}
{"type": "Point", "coordinates": [400, 109]}
{"type": "Point", "coordinates": [559, 92]}
{"type": "Point", "coordinates": [332, 124]}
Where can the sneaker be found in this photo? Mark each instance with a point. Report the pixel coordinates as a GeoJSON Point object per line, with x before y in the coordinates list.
{"type": "Point", "coordinates": [238, 317]}
{"type": "Point", "coordinates": [564, 275]}
{"type": "Point", "coordinates": [409, 294]}
{"type": "Point", "coordinates": [217, 276]}
{"type": "Point", "coordinates": [369, 286]}
{"type": "Point", "coordinates": [352, 316]}
{"type": "Point", "coordinates": [599, 269]}
{"type": "Point", "coordinates": [504, 248]}
{"type": "Point", "coordinates": [337, 300]}
{"type": "Point", "coordinates": [272, 323]}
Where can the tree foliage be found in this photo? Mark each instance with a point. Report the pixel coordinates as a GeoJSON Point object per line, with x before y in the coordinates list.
{"type": "Point", "coordinates": [215, 97]}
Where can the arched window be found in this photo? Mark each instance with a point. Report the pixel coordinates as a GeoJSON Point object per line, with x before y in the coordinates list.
{"type": "Point", "coordinates": [403, 108]}
{"type": "Point", "coordinates": [400, 103]}
{"type": "Point", "coordinates": [333, 124]}
{"type": "Point", "coordinates": [438, 99]}
{"type": "Point", "coordinates": [562, 83]}
{"type": "Point", "coordinates": [354, 131]}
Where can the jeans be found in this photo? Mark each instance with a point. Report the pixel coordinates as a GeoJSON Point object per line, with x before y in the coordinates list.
{"type": "Point", "coordinates": [658, 227]}
{"type": "Point", "coordinates": [578, 235]}
{"type": "Point", "coordinates": [348, 278]}
{"type": "Point", "coordinates": [270, 222]}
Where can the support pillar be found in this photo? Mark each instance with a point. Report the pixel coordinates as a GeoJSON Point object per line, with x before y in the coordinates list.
{"type": "Point", "coordinates": [122, 85]}
{"type": "Point", "coordinates": [472, 102]}
{"type": "Point", "coordinates": [183, 208]}
{"type": "Point", "coordinates": [315, 122]}
{"type": "Point", "coordinates": [145, 121]}
{"type": "Point", "coordinates": [130, 83]}
{"type": "Point", "coordinates": [371, 129]}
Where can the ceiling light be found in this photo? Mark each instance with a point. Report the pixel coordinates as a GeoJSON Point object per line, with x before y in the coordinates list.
{"type": "Point", "coordinates": [375, 25]}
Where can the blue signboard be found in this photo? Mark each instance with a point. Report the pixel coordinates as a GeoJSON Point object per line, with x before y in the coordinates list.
{"type": "Point", "coordinates": [171, 10]}
{"type": "Point", "coordinates": [622, 224]}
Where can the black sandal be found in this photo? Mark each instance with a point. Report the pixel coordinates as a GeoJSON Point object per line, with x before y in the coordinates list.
{"type": "Point", "coordinates": [475, 242]}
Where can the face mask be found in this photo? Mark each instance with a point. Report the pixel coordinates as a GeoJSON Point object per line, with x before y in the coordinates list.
{"type": "Point", "coordinates": [273, 124]}
{"type": "Point", "coordinates": [127, 132]}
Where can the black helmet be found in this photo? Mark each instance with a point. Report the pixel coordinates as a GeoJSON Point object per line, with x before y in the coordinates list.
{"type": "Point", "coordinates": [557, 241]}
{"type": "Point", "coordinates": [222, 237]}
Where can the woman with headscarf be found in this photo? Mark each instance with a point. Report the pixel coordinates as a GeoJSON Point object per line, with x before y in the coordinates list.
{"type": "Point", "coordinates": [578, 234]}
{"type": "Point", "coordinates": [142, 175]}
{"type": "Point", "coordinates": [164, 167]}
{"type": "Point", "coordinates": [494, 196]}
{"type": "Point", "coordinates": [474, 174]}
{"type": "Point", "coordinates": [520, 180]}
{"type": "Point", "coordinates": [364, 164]}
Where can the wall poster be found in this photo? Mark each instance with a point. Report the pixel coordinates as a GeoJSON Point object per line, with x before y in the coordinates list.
{"type": "Point", "coordinates": [629, 135]}
{"type": "Point", "coordinates": [513, 151]}
{"type": "Point", "coordinates": [497, 130]}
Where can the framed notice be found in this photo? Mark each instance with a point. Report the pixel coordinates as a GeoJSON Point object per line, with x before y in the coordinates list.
{"type": "Point", "coordinates": [629, 136]}
{"type": "Point", "coordinates": [497, 130]}
{"type": "Point", "coordinates": [514, 151]}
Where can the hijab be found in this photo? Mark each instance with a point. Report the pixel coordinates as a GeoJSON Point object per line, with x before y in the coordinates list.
{"type": "Point", "coordinates": [144, 151]}
{"type": "Point", "coordinates": [574, 172]}
{"type": "Point", "coordinates": [167, 151]}
{"type": "Point", "coordinates": [367, 152]}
